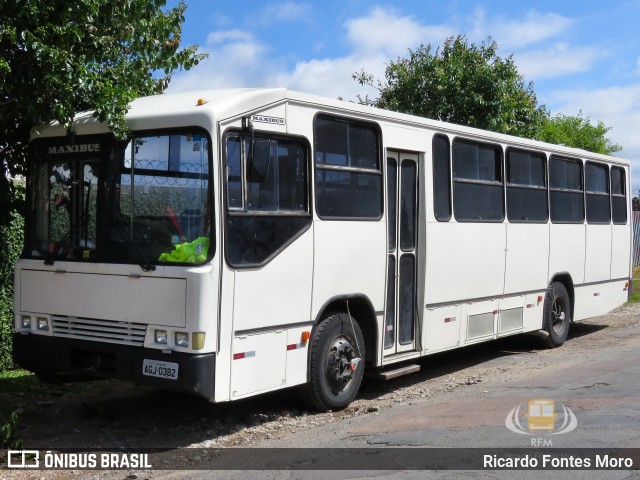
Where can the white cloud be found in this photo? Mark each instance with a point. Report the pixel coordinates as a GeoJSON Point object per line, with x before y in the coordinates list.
{"type": "Point", "coordinates": [385, 31]}
{"type": "Point", "coordinates": [225, 36]}
{"type": "Point", "coordinates": [618, 107]}
{"type": "Point", "coordinates": [516, 33]}
{"type": "Point", "coordinates": [535, 40]}
{"type": "Point", "coordinates": [284, 12]}
{"type": "Point", "coordinates": [557, 60]}
{"type": "Point", "coordinates": [533, 29]}
{"type": "Point", "coordinates": [332, 77]}
{"type": "Point", "coordinates": [239, 59]}
{"type": "Point", "coordinates": [376, 38]}
{"type": "Point", "coordinates": [236, 59]}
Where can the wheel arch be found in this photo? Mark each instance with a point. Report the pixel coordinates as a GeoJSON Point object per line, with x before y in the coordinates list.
{"type": "Point", "coordinates": [565, 279]}
{"type": "Point", "coordinates": [362, 312]}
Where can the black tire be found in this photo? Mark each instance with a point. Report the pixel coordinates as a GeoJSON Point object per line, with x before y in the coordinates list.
{"type": "Point", "coordinates": [336, 344]}
{"type": "Point", "coordinates": [557, 315]}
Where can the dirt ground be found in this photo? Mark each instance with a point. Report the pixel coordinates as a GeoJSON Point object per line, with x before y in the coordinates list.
{"type": "Point", "coordinates": [112, 414]}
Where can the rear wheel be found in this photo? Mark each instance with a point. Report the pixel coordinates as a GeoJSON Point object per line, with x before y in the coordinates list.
{"type": "Point", "coordinates": [557, 315]}
{"type": "Point", "coordinates": [336, 363]}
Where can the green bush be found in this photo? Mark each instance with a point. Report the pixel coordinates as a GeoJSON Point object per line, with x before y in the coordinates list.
{"type": "Point", "coordinates": [11, 240]}
{"type": "Point", "coordinates": [7, 432]}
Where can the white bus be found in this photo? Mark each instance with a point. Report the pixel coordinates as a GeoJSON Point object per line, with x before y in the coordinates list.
{"type": "Point", "coordinates": [243, 241]}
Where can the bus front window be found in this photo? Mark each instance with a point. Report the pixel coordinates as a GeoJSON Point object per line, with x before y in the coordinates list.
{"type": "Point", "coordinates": [145, 202]}
{"type": "Point", "coordinates": [63, 208]}
{"type": "Point", "coordinates": [160, 211]}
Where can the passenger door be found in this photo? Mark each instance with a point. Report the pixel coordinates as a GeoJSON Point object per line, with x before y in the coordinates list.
{"type": "Point", "coordinates": [402, 227]}
{"type": "Point", "coordinates": [269, 250]}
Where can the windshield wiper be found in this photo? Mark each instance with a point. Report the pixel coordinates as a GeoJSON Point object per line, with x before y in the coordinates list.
{"type": "Point", "coordinates": [50, 260]}
{"type": "Point", "coordinates": [146, 265]}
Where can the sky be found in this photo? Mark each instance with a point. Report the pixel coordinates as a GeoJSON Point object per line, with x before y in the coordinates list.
{"type": "Point", "coordinates": [581, 55]}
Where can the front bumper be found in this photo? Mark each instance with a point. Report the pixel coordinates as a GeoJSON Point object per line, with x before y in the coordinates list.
{"type": "Point", "coordinates": [51, 355]}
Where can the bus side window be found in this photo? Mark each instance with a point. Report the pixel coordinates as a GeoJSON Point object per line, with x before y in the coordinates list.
{"type": "Point", "coordinates": [526, 187]}
{"type": "Point", "coordinates": [267, 197]}
{"type": "Point", "coordinates": [566, 190]}
{"type": "Point", "coordinates": [441, 179]}
{"type": "Point", "coordinates": [618, 196]}
{"type": "Point", "coordinates": [597, 192]}
{"type": "Point", "coordinates": [477, 182]}
{"type": "Point", "coordinates": [348, 173]}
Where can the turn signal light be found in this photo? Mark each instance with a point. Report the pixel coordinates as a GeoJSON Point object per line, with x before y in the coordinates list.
{"type": "Point", "coordinates": [304, 338]}
{"type": "Point", "coordinates": [197, 340]}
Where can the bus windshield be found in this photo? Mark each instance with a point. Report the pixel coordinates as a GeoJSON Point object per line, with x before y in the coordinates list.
{"type": "Point", "coordinates": [145, 201]}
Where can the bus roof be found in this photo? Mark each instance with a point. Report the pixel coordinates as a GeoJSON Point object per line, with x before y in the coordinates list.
{"type": "Point", "coordinates": [170, 110]}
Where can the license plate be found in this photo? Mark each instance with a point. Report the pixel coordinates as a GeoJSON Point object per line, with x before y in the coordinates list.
{"type": "Point", "coordinates": [155, 368]}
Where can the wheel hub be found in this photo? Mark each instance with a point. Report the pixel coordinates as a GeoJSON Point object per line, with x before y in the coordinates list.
{"type": "Point", "coordinates": [558, 315]}
{"type": "Point", "coordinates": [341, 364]}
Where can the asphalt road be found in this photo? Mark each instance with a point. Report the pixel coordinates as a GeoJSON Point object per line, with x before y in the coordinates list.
{"type": "Point", "coordinates": [597, 381]}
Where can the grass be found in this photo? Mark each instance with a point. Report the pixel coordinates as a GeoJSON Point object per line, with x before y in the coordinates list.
{"type": "Point", "coordinates": [24, 382]}
{"type": "Point", "coordinates": [13, 374]}
{"type": "Point", "coordinates": [635, 285]}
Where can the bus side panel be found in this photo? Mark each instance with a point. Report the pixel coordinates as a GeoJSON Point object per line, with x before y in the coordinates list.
{"type": "Point", "coordinates": [266, 300]}
{"type": "Point", "coordinates": [350, 258]}
{"type": "Point", "coordinates": [202, 303]}
{"type": "Point", "coordinates": [597, 265]}
{"type": "Point", "coordinates": [223, 360]}
{"type": "Point", "coordinates": [464, 260]}
{"type": "Point", "coordinates": [511, 315]}
{"type": "Point", "coordinates": [533, 311]}
{"type": "Point", "coordinates": [567, 250]}
{"type": "Point", "coordinates": [442, 327]}
{"type": "Point", "coordinates": [481, 321]}
{"type": "Point", "coordinates": [277, 293]}
{"type": "Point", "coordinates": [258, 363]}
{"type": "Point", "coordinates": [527, 260]}
{"type": "Point", "coordinates": [297, 351]}
{"type": "Point", "coordinates": [621, 251]}
{"type": "Point", "coordinates": [599, 298]}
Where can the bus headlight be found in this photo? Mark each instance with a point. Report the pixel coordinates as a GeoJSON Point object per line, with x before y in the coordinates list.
{"type": "Point", "coordinates": [26, 322]}
{"type": "Point", "coordinates": [182, 339]}
{"type": "Point", "coordinates": [161, 336]}
{"type": "Point", "coordinates": [43, 323]}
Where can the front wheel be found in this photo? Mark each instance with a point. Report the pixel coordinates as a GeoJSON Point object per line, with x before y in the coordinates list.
{"type": "Point", "coordinates": [336, 363]}
{"type": "Point", "coordinates": [557, 315]}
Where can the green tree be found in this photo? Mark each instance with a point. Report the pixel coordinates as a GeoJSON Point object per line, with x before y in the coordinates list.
{"type": "Point", "coordinates": [578, 131]}
{"type": "Point", "coordinates": [11, 238]}
{"type": "Point", "coordinates": [59, 57]}
{"type": "Point", "coordinates": [461, 83]}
